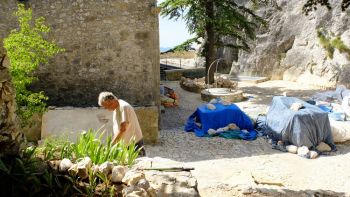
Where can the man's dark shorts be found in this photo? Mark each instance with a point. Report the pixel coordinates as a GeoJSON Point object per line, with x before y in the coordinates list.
{"type": "Point", "coordinates": [140, 145]}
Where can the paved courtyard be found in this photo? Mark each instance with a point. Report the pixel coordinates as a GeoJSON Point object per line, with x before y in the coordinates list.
{"type": "Point", "coordinates": [235, 167]}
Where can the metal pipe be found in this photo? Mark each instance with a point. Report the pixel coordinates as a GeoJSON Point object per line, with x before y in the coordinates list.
{"type": "Point", "coordinates": [217, 63]}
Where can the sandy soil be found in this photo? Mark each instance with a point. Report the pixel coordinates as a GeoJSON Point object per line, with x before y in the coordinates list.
{"type": "Point", "coordinates": [236, 167]}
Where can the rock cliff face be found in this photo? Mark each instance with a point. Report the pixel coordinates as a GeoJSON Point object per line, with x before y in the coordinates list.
{"type": "Point", "coordinates": [290, 49]}
{"type": "Point", "coordinates": [10, 136]}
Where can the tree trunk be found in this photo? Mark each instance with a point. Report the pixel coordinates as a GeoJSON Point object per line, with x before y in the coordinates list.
{"type": "Point", "coordinates": [10, 136]}
{"type": "Point", "coordinates": [210, 42]}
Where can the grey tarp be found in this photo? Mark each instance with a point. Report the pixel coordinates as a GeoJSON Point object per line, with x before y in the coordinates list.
{"type": "Point", "coordinates": [307, 127]}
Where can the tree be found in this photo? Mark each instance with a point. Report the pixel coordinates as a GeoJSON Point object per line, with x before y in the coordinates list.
{"type": "Point", "coordinates": [214, 20]}
{"type": "Point", "coordinates": [27, 48]}
{"type": "Point", "coordinates": [312, 5]}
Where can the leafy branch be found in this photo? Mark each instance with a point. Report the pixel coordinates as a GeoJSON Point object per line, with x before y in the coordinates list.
{"type": "Point", "coordinates": [27, 48]}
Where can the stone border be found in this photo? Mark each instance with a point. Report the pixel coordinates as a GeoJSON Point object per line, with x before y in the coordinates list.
{"type": "Point", "coordinates": [176, 74]}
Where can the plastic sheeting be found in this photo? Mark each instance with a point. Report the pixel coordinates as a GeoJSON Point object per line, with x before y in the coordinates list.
{"type": "Point", "coordinates": [218, 118]}
{"type": "Point", "coordinates": [339, 94]}
{"type": "Point", "coordinates": [306, 127]}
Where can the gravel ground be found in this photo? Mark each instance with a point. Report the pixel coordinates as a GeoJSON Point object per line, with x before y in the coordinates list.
{"type": "Point", "coordinates": [236, 167]}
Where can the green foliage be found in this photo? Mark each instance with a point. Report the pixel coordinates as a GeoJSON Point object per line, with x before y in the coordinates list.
{"type": "Point", "coordinates": [89, 144]}
{"type": "Point", "coordinates": [27, 48]}
{"type": "Point", "coordinates": [330, 44]}
{"type": "Point", "coordinates": [185, 46]}
{"type": "Point", "coordinates": [312, 5]}
{"type": "Point", "coordinates": [326, 44]}
{"type": "Point", "coordinates": [339, 44]}
{"type": "Point", "coordinates": [228, 19]}
{"type": "Point", "coordinates": [214, 20]}
{"type": "Point", "coordinates": [29, 176]}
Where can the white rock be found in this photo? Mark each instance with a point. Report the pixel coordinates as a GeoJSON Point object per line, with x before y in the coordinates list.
{"type": "Point", "coordinates": [245, 131]}
{"type": "Point", "coordinates": [65, 164]}
{"type": "Point", "coordinates": [292, 149]}
{"type": "Point", "coordinates": [132, 177]}
{"type": "Point", "coordinates": [143, 183]}
{"type": "Point", "coordinates": [106, 168]}
{"type": "Point", "coordinates": [296, 106]}
{"type": "Point", "coordinates": [118, 173]}
{"type": "Point", "coordinates": [323, 147]}
{"type": "Point", "coordinates": [213, 101]}
{"type": "Point", "coordinates": [211, 131]}
{"type": "Point", "coordinates": [225, 102]}
{"type": "Point", "coordinates": [222, 129]}
{"type": "Point", "coordinates": [82, 172]}
{"type": "Point", "coordinates": [313, 154]}
{"type": "Point", "coordinates": [211, 106]}
{"type": "Point", "coordinates": [192, 182]}
{"type": "Point", "coordinates": [303, 151]}
{"type": "Point", "coordinates": [55, 164]}
{"type": "Point", "coordinates": [85, 162]}
{"type": "Point", "coordinates": [133, 191]}
{"type": "Point", "coordinates": [83, 167]}
{"type": "Point", "coordinates": [73, 170]}
{"type": "Point", "coordinates": [233, 126]}
{"type": "Point", "coordinates": [95, 169]}
{"type": "Point", "coordinates": [152, 192]}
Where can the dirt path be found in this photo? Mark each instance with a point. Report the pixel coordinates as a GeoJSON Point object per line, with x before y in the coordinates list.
{"type": "Point", "coordinates": [235, 167]}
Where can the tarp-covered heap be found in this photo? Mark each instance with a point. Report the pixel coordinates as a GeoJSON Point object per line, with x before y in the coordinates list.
{"type": "Point", "coordinates": [307, 126]}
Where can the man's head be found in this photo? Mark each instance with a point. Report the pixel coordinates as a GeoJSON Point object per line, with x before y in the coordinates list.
{"type": "Point", "coordinates": [108, 101]}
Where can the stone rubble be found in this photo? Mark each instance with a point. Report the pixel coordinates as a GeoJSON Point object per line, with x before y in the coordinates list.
{"type": "Point", "coordinates": [138, 182]}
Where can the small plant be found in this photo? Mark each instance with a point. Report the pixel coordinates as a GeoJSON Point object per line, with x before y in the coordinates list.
{"type": "Point", "coordinates": [331, 44]}
{"type": "Point", "coordinates": [89, 144]}
{"type": "Point", "coordinates": [27, 48]}
{"type": "Point", "coordinates": [325, 42]}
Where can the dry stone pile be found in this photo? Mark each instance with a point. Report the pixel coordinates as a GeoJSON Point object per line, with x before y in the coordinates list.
{"type": "Point", "coordinates": [197, 85]}
{"type": "Point", "coordinates": [135, 181]}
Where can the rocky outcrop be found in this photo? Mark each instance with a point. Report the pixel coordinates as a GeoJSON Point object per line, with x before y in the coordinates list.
{"type": "Point", "coordinates": [289, 48]}
{"type": "Point", "coordinates": [10, 135]}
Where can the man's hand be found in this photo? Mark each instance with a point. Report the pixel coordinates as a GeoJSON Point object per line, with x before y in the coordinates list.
{"type": "Point", "coordinates": [117, 137]}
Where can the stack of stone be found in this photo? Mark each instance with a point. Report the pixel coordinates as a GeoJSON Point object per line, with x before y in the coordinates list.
{"type": "Point", "coordinates": [134, 181]}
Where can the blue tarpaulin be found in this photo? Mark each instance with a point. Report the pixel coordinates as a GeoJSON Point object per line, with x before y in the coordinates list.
{"type": "Point", "coordinates": [218, 118]}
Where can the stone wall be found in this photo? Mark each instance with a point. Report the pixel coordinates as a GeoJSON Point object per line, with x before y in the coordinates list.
{"type": "Point", "coordinates": [111, 45]}
{"type": "Point", "coordinates": [289, 48]}
{"type": "Point", "coordinates": [69, 122]}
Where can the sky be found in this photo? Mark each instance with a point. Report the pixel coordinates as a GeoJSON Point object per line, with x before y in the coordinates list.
{"type": "Point", "coordinates": [172, 32]}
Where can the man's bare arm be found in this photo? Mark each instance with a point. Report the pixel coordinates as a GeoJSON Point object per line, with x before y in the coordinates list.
{"type": "Point", "coordinates": [122, 130]}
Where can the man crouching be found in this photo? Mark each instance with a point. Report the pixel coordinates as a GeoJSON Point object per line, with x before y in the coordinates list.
{"type": "Point", "coordinates": [126, 126]}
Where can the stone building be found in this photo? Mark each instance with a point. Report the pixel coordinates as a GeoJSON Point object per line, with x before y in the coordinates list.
{"type": "Point", "coordinates": [110, 45]}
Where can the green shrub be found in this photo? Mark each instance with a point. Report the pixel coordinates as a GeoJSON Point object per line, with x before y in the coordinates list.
{"type": "Point", "coordinates": [326, 44]}
{"type": "Point", "coordinates": [331, 44]}
{"type": "Point", "coordinates": [29, 176]}
{"type": "Point", "coordinates": [27, 48]}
